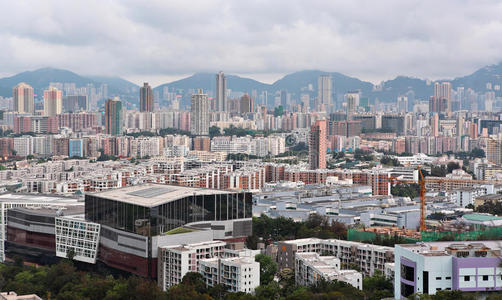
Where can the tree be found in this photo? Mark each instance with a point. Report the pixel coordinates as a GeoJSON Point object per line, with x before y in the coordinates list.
{"type": "Point", "coordinates": [278, 111]}
{"type": "Point", "coordinates": [271, 290]}
{"type": "Point", "coordinates": [378, 287]}
{"type": "Point", "coordinates": [452, 166]}
{"type": "Point", "coordinates": [268, 268]}
{"type": "Point", "coordinates": [338, 155]}
{"type": "Point", "coordinates": [214, 131]}
{"type": "Point", "coordinates": [70, 253]}
{"type": "Point", "coordinates": [195, 281]}
{"type": "Point", "coordinates": [389, 161]}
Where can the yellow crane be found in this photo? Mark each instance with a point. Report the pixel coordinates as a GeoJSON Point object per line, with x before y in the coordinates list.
{"type": "Point", "coordinates": [422, 181]}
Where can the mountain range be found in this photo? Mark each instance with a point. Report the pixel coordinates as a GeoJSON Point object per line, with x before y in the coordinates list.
{"type": "Point", "coordinates": [294, 83]}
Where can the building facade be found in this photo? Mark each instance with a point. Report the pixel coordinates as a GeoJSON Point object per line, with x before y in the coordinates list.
{"type": "Point", "coordinates": [199, 114]}
{"type": "Point", "coordinates": [146, 100]}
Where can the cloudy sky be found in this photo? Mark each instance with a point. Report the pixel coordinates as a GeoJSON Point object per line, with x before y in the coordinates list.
{"type": "Point", "coordinates": [159, 40]}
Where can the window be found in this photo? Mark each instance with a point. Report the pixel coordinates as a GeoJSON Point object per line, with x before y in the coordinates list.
{"type": "Point", "coordinates": [467, 278]}
{"type": "Point", "coordinates": [438, 278]}
{"type": "Point", "coordinates": [485, 277]}
{"type": "Point", "coordinates": [448, 278]}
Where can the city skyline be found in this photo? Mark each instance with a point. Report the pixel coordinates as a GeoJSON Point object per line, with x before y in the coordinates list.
{"type": "Point", "coordinates": [369, 43]}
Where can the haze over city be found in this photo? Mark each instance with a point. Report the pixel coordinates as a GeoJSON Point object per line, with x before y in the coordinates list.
{"type": "Point", "coordinates": [160, 41]}
{"type": "Point", "coordinates": [251, 150]}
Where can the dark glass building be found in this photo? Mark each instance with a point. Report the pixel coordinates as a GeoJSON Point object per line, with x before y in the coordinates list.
{"type": "Point", "coordinates": [136, 220]}
{"type": "Point", "coordinates": [150, 219]}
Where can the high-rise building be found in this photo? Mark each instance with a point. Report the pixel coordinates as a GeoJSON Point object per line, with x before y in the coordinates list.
{"type": "Point", "coordinates": [318, 145]}
{"type": "Point", "coordinates": [435, 124]}
{"type": "Point", "coordinates": [246, 104]}
{"type": "Point", "coordinates": [402, 104]}
{"type": "Point", "coordinates": [494, 151]}
{"type": "Point", "coordinates": [53, 102]}
{"type": "Point", "coordinates": [442, 93]}
{"type": "Point", "coordinates": [113, 116]}
{"type": "Point", "coordinates": [75, 103]}
{"type": "Point", "coordinates": [221, 92]}
{"type": "Point", "coordinates": [199, 114]}
{"type": "Point", "coordinates": [324, 90]}
{"type": "Point", "coordinates": [23, 98]}
{"type": "Point", "coordinates": [284, 99]}
{"type": "Point", "coordinates": [146, 98]}
{"type": "Point", "coordinates": [352, 99]}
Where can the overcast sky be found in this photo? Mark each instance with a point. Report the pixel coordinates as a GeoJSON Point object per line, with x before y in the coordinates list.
{"type": "Point", "coordinates": [158, 40]}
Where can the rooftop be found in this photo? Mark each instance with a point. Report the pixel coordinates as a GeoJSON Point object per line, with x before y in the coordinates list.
{"type": "Point", "coordinates": [152, 194]}
{"type": "Point", "coordinates": [481, 217]}
{"type": "Point", "coordinates": [442, 248]}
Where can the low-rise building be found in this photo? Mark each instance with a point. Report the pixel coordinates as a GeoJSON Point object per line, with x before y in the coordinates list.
{"type": "Point", "coordinates": [176, 261]}
{"type": "Point", "coordinates": [310, 267]}
{"type": "Point", "coordinates": [367, 257]}
{"type": "Point", "coordinates": [237, 274]}
{"type": "Point", "coordinates": [427, 268]}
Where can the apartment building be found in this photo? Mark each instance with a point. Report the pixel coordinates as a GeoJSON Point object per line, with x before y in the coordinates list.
{"type": "Point", "coordinates": [367, 257]}
{"type": "Point", "coordinates": [176, 261]}
{"type": "Point", "coordinates": [237, 274]}
{"type": "Point", "coordinates": [310, 267]}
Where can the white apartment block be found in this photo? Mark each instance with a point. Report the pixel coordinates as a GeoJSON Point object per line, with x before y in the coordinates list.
{"type": "Point", "coordinates": [237, 274]}
{"type": "Point", "coordinates": [310, 267]}
{"type": "Point", "coordinates": [176, 261]}
{"type": "Point", "coordinates": [74, 233]}
{"type": "Point", "coordinates": [23, 145]}
{"type": "Point", "coordinates": [369, 258]}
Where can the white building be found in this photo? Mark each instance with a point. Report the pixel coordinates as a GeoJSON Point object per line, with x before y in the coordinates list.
{"type": "Point", "coordinates": [176, 261]}
{"type": "Point", "coordinates": [23, 145]}
{"type": "Point", "coordinates": [310, 267]}
{"type": "Point", "coordinates": [426, 268]}
{"type": "Point", "coordinates": [74, 233]}
{"type": "Point", "coordinates": [367, 257]}
{"type": "Point", "coordinates": [8, 201]}
{"type": "Point", "coordinates": [199, 114]}
{"type": "Point", "coordinates": [237, 274]}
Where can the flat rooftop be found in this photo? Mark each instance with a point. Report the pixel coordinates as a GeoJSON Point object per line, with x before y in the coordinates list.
{"type": "Point", "coordinates": [439, 248]}
{"type": "Point", "coordinates": [481, 217]}
{"type": "Point", "coordinates": [152, 194]}
{"type": "Point", "coordinates": [37, 198]}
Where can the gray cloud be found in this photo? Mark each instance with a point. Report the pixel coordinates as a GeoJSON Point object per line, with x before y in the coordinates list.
{"type": "Point", "coordinates": [373, 40]}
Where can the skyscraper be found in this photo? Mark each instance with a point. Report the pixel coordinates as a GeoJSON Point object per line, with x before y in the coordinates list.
{"type": "Point", "coordinates": [284, 99]}
{"type": "Point", "coordinates": [146, 98]}
{"type": "Point", "coordinates": [113, 116]}
{"type": "Point", "coordinates": [246, 104]}
{"type": "Point", "coordinates": [317, 145]}
{"type": "Point", "coordinates": [324, 91]}
{"type": "Point", "coordinates": [352, 99]}
{"type": "Point", "coordinates": [23, 98]}
{"type": "Point", "coordinates": [435, 124]}
{"type": "Point", "coordinates": [402, 104]}
{"type": "Point", "coordinates": [442, 93]}
{"type": "Point", "coordinates": [53, 102]}
{"type": "Point", "coordinates": [199, 114]}
{"type": "Point", "coordinates": [221, 92]}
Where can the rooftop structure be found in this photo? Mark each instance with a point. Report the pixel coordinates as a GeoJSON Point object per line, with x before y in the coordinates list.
{"type": "Point", "coordinates": [150, 195]}
{"type": "Point", "coordinates": [430, 267]}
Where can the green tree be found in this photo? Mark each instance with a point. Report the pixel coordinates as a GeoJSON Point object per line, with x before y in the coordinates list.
{"type": "Point", "coordinates": [214, 131]}
{"type": "Point", "coordinates": [271, 290]}
{"type": "Point", "coordinates": [268, 268]}
{"type": "Point", "coordinates": [452, 166]}
{"type": "Point", "coordinates": [278, 111]}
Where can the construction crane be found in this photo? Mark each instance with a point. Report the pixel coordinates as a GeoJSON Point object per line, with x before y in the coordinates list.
{"type": "Point", "coordinates": [422, 181]}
